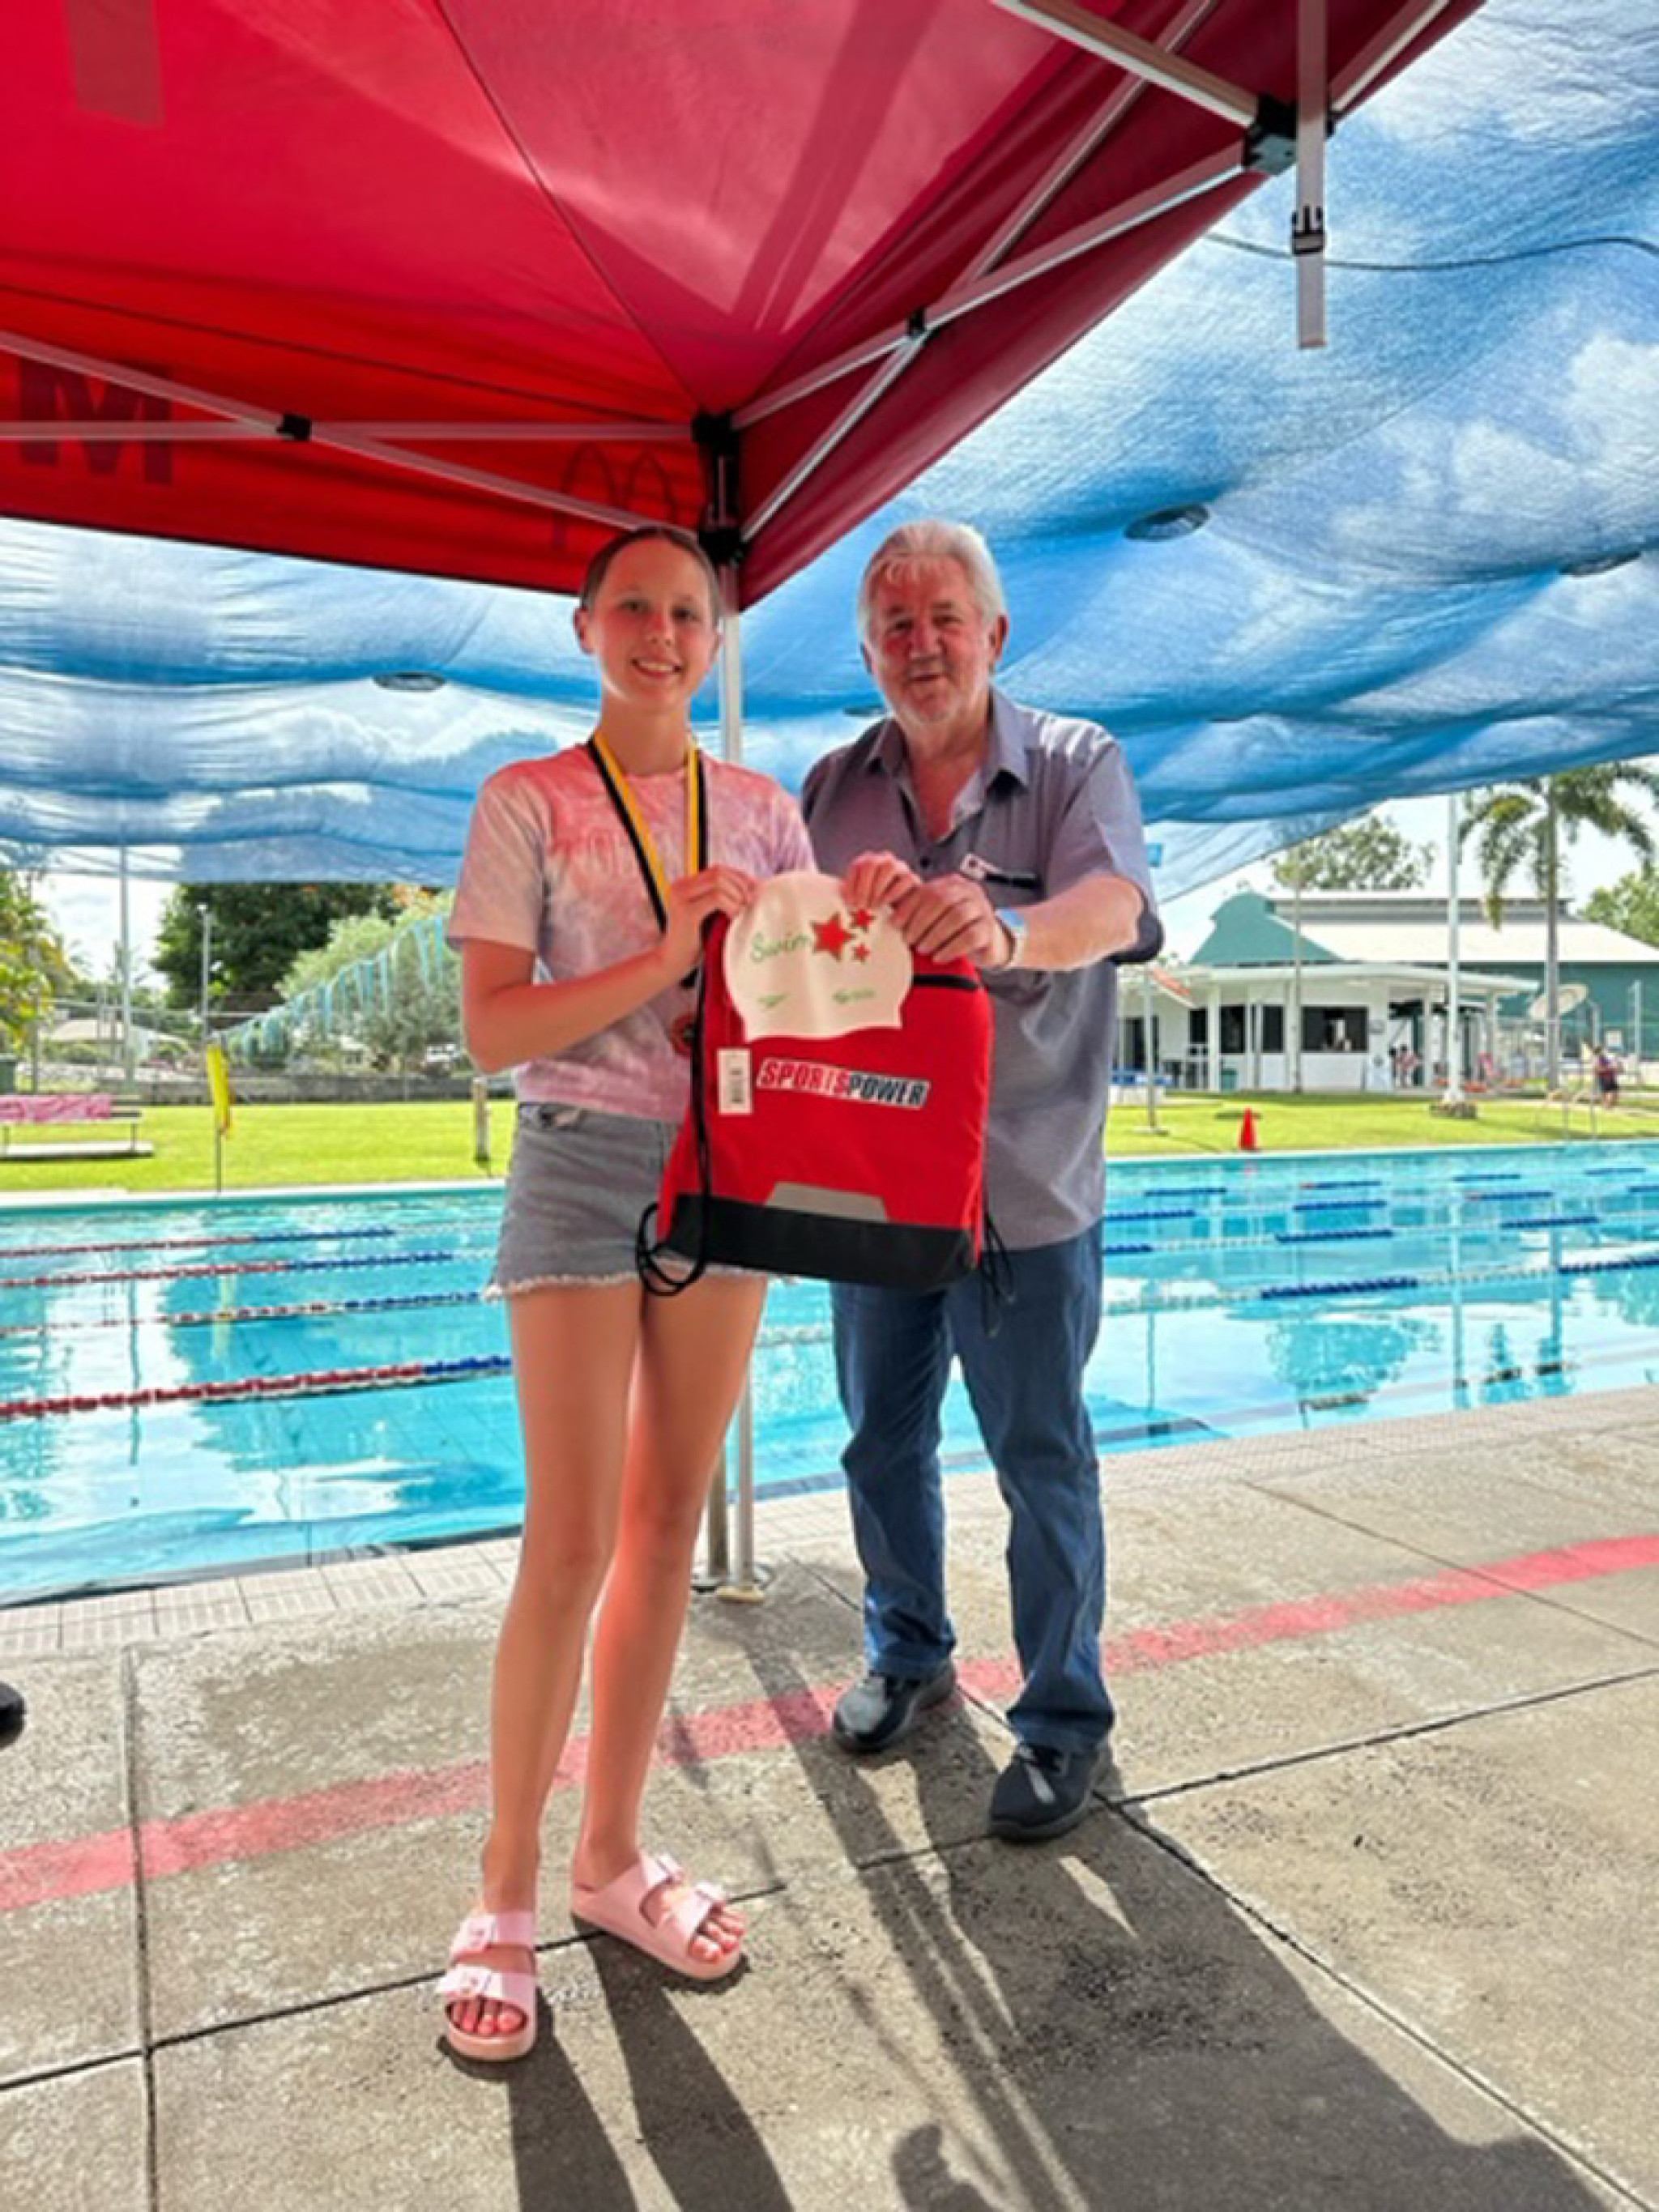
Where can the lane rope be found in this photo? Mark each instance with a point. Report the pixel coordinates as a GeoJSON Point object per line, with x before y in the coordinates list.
{"type": "Point", "coordinates": [209, 1243]}
{"type": "Point", "coordinates": [195, 1270]}
{"type": "Point", "coordinates": [314, 1382]}
{"type": "Point", "coordinates": [302, 1309]}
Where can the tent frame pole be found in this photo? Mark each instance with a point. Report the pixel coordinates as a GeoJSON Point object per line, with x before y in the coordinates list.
{"type": "Point", "coordinates": [1083, 148]}
{"type": "Point", "coordinates": [1312, 128]}
{"type": "Point", "coordinates": [302, 430]}
{"type": "Point", "coordinates": [975, 292]}
{"type": "Point", "coordinates": [1353, 82]}
{"type": "Point", "coordinates": [739, 1579]}
{"type": "Point", "coordinates": [1155, 64]}
{"type": "Point", "coordinates": [1087, 143]}
{"type": "Point", "coordinates": [151, 433]}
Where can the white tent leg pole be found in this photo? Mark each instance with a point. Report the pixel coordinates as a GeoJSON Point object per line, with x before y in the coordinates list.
{"type": "Point", "coordinates": [1453, 1007]}
{"type": "Point", "coordinates": [717, 1534]}
{"type": "Point", "coordinates": [740, 1579]}
{"type": "Point", "coordinates": [128, 1062]}
{"type": "Point", "coordinates": [1308, 224]}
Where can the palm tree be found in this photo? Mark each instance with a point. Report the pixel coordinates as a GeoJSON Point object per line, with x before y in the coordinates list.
{"type": "Point", "coordinates": [1522, 824]}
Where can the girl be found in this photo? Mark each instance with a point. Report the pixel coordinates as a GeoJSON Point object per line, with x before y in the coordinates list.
{"type": "Point", "coordinates": [588, 878]}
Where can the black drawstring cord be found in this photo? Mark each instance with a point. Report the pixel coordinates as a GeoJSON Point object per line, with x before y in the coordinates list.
{"type": "Point", "coordinates": [996, 1278]}
{"type": "Point", "coordinates": [657, 1279]}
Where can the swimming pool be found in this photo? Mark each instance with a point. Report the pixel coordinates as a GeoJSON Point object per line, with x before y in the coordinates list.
{"type": "Point", "coordinates": [192, 1388]}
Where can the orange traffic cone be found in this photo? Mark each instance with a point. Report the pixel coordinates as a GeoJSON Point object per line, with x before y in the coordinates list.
{"type": "Point", "coordinates": [1246, 1132]}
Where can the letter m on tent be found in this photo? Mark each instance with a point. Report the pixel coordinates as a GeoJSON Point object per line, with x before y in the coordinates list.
{"type": "Point", "coordinates": [50, 394]}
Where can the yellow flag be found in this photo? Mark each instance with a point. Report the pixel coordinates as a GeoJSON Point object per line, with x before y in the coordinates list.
{"type": "Point", "coordinates": [219, 1084]}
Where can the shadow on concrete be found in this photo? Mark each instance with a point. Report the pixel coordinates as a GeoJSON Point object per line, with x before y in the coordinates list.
{"type": "Point", "coordinates": [562, 2149]}
{"type": "Point", "coordinates": [1125, 2038]}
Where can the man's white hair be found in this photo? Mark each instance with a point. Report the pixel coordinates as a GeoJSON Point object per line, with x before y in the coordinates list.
{"type": "Point", "coordinates": [913, 543]}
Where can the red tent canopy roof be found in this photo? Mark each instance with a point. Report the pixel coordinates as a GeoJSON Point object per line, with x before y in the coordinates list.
{"type": "Point", "coordinates": [288, 272]}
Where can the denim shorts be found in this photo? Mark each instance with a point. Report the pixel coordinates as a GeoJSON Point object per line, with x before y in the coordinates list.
{"type": "Point", "coordinates": [578, 1184]}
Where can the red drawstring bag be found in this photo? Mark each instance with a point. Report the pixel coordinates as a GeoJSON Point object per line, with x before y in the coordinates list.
{"type": "Point", "coordinates": [839, 1089]}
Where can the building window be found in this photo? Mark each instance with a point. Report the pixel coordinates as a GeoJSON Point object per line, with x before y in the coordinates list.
{"type": "Point", "coordinates": [1334, 1029]}
{"type": "Point", "coordinates": [1272, 1028]}
{"type": "Point", "coordinates": [1233, 1029]}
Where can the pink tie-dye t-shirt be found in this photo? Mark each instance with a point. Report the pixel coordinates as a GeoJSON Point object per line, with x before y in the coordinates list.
{"type": "Point", "coordinates": [548, 867]}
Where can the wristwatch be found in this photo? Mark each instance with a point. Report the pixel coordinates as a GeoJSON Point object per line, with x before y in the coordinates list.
{"type": "Point", "coordinates": [1018, 929]}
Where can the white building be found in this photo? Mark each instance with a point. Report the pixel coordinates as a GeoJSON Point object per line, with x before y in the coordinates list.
{"type": "Point", "coordinates": [1360, 1004]}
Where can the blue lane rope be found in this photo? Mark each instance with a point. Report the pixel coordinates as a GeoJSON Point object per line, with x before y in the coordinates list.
{"type": "Point", "coordinates": [1337, 1205]}
{"type": "Point", "coordinates": [304, 1309]}
{"type": "Point", "coordinates": [1330, 1236]}
{"type": "Point", "coordinates": [201, 1243]}
{"type": "Point", "coordinates": [211, 1267]}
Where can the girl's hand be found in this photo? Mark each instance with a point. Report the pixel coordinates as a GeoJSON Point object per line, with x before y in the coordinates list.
{"type": "Point", "coordinates": [878, 879]}
{"type": "Point", "coordinates": [693, 902]}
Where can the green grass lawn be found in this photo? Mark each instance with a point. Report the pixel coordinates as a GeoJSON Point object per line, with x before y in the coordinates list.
{"type": "Point", "coordinates": [290, 1145]}
{"type": "Point", "coordinates": [1189, 1122]}
{"type": "Point", "coordinates": [423, 1142]}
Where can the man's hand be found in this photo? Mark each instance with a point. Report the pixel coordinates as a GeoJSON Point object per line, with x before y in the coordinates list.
{"type": "Point", "coordinates": [950, 920]}
{"type": "Point", "coordinates": [953, 919]}
{"type": "Point", "coordinates": [878, 879]}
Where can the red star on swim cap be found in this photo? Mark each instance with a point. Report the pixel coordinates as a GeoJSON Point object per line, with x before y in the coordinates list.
{"type": "Point", "coordinates": [831, 936]}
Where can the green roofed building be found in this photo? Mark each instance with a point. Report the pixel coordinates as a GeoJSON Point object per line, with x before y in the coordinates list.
{"type": "Point", "coordinates": [1359, 999]}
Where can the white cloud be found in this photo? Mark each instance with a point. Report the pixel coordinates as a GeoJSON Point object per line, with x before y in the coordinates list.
{"type": "Point", "coordinates": [86, 911]}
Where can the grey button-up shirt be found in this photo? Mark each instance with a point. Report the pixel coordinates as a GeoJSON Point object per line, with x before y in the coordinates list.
{"type": "Point", "coordinates": [1054, 803]}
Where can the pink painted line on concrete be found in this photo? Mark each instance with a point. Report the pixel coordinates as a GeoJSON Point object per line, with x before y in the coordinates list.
{"type": "Point", "coordinates": [80, 1867]}
{"type": "Point", "coordinates": [83, 1866]}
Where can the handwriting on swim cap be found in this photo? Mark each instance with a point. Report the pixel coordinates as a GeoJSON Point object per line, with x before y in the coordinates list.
{"type": "Point", "coordinates": [774, 948]}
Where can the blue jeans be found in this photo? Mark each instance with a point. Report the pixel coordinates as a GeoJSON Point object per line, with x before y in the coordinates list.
{"type": "Point", "coordinates": [1025, 1383]}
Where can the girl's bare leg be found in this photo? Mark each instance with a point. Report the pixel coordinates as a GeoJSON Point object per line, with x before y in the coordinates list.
{"type": "Point", "coordinates": [693, 1351]}
{"type": "Point", "coordinates": [573, 1351]}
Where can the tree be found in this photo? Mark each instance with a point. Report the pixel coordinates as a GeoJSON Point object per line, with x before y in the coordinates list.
{"type": "Point", "coordinates": [396, 987]}
{"type": "Point", "coordinates": [1631, 904]}
{"type": "Point", "coordinates": [1520, 827]}
{"type": "Point", "coordinates": [1367, 855]}
{"type": "Point", "coordinates": [33, 965]}
{"type": "Point", "coordinates": [258, 931]}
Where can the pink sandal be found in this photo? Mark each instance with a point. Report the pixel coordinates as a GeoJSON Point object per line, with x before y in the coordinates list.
{"type": "Point", "coordinates": [619, 1907]}
{"type": "Point", "coordinates": [468, 1977]}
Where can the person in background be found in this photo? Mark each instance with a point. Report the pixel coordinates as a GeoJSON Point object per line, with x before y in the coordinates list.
{"type": "Point", "coordinates": [1607, 1076]}
{"type": "Point", "coordinates": [1013, 838]}
{"type": "Point", "coordinates": [588, 880]}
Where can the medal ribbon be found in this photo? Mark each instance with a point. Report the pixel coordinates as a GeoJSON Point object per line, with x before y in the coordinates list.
{"type": "Point", "coordinates": [614, 777]}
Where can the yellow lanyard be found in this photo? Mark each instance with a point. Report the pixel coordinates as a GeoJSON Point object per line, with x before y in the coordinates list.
{"type": "Point", "coordinates": [614, 776]}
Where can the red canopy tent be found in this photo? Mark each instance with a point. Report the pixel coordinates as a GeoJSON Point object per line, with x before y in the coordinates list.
{"type": "Point", "coordinates": [459, 285]}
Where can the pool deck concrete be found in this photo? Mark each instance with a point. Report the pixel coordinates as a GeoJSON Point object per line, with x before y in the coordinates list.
{"type": "Point", "coordinates": [1363, 1918]}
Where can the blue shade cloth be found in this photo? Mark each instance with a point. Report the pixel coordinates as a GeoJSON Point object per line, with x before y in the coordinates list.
{"type": "Point", "coordinates": [1424, 559]}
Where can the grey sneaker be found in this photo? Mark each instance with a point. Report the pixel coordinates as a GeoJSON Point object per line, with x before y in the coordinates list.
{"type": "Point", "coordinates": [1042, 1792]}
{"type": "Point", "coordinates": [883, 1709]}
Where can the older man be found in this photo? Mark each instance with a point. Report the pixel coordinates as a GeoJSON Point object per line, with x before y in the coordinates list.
{"type": "Point", "coordinates": [1013, 838]}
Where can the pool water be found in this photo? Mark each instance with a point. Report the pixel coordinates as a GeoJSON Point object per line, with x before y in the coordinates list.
{"type": "Point", "coordinates": [189, 1388]}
